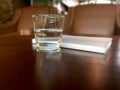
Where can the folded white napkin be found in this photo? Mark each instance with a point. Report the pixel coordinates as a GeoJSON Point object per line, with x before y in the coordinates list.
{"type": "Point", "coordinates": [92, 44]}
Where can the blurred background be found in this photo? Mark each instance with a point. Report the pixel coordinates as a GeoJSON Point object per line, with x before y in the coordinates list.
{"type": "Point", "coordinates": [8, 7]}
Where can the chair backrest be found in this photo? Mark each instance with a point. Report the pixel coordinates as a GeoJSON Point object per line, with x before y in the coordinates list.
{"type": "Point", "coordinates": [92, 20]}
{"type": "Point", "coordinates": [25, 25]}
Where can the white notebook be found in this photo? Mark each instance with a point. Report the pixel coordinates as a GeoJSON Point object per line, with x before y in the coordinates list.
{"type": "Point", "coordinates": [92, 44]}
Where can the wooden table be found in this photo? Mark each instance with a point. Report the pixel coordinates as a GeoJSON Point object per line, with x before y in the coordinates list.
{"type": "Point", "coordinates": [22, 68]}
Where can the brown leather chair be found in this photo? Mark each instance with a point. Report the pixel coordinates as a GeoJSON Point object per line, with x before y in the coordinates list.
{"type": "Point", "coordinates": [91, 20]}
{"type": "Point", "coordinates": [22, 21]}
{"type": "Point", "coordinates": [25, 25]}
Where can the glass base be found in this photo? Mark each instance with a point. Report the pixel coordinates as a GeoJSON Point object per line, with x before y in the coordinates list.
{"type": "Point", "coordinates": [48, 51]}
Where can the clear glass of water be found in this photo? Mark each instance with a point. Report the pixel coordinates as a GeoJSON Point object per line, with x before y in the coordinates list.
{"type": "Point", "coordinates": [48, 30]}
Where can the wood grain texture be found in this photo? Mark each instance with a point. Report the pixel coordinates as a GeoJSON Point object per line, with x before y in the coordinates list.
{"type": "Point", "coordinates": [22, 68]}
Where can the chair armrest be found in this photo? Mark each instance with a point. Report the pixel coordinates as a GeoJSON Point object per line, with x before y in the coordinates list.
{"type": "Point", "coordinates": [11, 26]}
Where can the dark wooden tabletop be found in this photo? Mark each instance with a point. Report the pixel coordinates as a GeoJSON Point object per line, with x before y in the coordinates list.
{"type": "Point", "coordinates": [22, 68]}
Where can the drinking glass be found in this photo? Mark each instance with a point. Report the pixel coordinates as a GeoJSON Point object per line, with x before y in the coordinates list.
{"type": "Point", "coordinates": [48, 30]}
